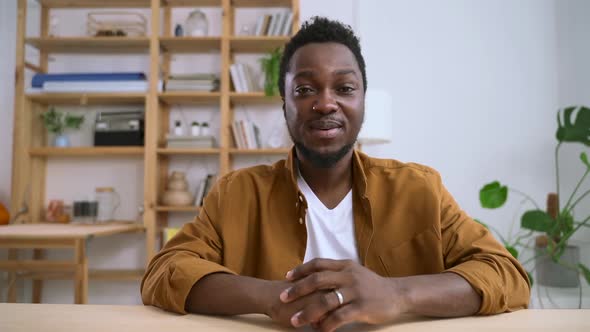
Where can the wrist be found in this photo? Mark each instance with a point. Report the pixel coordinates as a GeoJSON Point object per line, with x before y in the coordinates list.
{"type": "Point", "coordinates": [401, 295]}
{"type": "Point", "coordinates": [268, 296]}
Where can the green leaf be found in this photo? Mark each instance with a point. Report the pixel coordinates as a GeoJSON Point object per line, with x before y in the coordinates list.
{"type": "Point", "coordinates": [585, 272]}
{"type": "Point", "coordinates": [512, 251]}
{"type": "Point", "coordinates": [584, 158]}
{"type": "Point", "coordinates": [530, 278]}
{"type": "Point", "coordinates": [577, 131]}
{"type": "Point", "coordinates": [536, 220]}
{"type": "Point", "coordinates": [481, 223]}
{"type": "Point", "coordinates": [493, 195]}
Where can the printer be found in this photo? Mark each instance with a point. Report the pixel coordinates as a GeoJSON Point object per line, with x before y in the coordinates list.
{"type": "Point", "coordinates": [121, 128]}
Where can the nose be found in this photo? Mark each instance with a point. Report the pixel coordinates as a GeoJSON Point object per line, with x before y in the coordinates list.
{"type": "Point", "coordinates": [325, 103]}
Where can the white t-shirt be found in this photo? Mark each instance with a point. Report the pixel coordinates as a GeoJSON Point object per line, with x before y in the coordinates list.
{"type": "Point", "coordinates": [330, 233]}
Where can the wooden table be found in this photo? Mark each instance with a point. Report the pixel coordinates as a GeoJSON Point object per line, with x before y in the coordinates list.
{"type": "Point", "coordinates": [44, 236]}
{"type": "Point", "coordinates": [100, 318]}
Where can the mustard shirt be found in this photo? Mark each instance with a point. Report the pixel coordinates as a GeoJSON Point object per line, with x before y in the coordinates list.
{"type": "Point", "coordinates": [406, 223]}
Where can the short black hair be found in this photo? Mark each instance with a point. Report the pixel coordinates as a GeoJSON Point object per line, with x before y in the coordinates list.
{"type": "Point", "coordinates": [321, 30]}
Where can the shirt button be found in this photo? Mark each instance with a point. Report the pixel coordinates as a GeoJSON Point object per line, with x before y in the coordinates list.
{"type": "Point", "coordinates": [300, 221]}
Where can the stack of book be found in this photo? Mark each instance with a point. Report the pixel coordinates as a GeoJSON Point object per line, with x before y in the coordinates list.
{"type": "Point", "coordinates": [243, 78]}
{"type": "Point", "coordinates": [193, 82]}
{"type": "Point", "coordinates": [277, 24]}
{"type": "Point", "coordinates": [204, 187]}
{"type": "Point", "coordinates": [90, 82]}
{"type": "Point", "coordinates": [194, 142]}
{"type": "Point", "coordinates": [246, 135]}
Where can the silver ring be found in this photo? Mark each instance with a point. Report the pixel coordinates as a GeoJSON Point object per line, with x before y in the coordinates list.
{"type": "Point", "coordinates": [340, 297]}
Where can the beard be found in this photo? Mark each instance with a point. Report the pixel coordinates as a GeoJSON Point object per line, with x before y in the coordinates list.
{"type": "Point", "coordinates": [322, 160]}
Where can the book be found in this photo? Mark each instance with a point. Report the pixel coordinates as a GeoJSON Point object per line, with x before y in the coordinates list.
{"type": "Point", "coordinates": [233, 70]}
{"type": "Point", "coordinates": [242, 77]}
{"type": "Point", "coordinates": [237, 135]}
{"type": "Point", "coordinates": [40, 79]}
{"type": "Point", "coordinates": [288, 25]}
{"type": "Point", "coordinates": [200, 193]}
{"type": "Point", "coordinates": [265, 25]}
{"type": "Point", "coordinates": [273, 24]}
{"type": "Point", "coordinates": [259, 26]}
{"type": "Point", "coordinates": [99, 86]}
{"type": "Point", "coordinates": [281, 23]}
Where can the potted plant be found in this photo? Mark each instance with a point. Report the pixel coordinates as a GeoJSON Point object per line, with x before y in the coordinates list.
{"type": "Point", "coordinates": [57, 122]}
{"type": "Point", "coordinates": [270, 67]}
{"type": "Point", "coordinates": [556, 262]}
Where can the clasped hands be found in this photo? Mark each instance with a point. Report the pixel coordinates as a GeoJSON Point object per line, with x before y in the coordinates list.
{"type": "Point", "coordinates": [308, 296]}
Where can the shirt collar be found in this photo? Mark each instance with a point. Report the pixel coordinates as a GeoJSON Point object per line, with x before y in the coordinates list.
{"type": "Point", "coordinates": [359, 176]}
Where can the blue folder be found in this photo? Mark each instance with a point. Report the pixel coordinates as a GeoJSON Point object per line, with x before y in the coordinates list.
{"type": "Point", "coordinates": [39, 79]}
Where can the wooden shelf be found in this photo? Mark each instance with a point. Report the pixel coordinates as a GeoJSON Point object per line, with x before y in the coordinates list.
{"type": "Point", "coordinates": [190, 44]}
{"type": "Point", "coordinates": [91, 98]}
{"type": "Point", "coordinates": [91, 45]}
{"type": "Point", "coordinates": [187, 151]}
{"type": "Point", "coordinates": [261, 3]}
{"type": "Point", "coordinates": [259, 44]}
{"type": "Point", "coordinates": [95, 3]}
{"type": "Point", "coordinates": [253, 98]}
{"type": "Point", "coordinates": [192, 3]}
{"type": "Point", "coordinates": [162, 208]}
{"type": "Point", "coordinates": [189, 97]}
{"type": "Point", "coordinates": [279, 151]}
{"type": "Point", "coordinates": [86, 151]}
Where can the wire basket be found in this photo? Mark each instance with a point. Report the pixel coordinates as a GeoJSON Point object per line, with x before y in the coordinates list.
{"type": "Point", "coordinates": [116, 23]}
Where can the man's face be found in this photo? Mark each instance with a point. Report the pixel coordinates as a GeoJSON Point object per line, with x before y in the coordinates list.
{"type": "Point", "coordinates": [324, 101]}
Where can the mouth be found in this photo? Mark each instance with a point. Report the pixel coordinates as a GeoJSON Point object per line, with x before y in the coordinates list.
{"type": "Point", "coordinates": [325, 129]}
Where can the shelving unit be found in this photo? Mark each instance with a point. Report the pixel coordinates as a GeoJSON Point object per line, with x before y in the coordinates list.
{"type": "Point", "coordinates": [31, 152]}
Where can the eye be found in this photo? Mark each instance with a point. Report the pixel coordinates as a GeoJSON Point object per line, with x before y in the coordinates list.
{"type": "Point", "coordinates": [346, 89]}
{"type": "Point", "coordinates": [303, 90]}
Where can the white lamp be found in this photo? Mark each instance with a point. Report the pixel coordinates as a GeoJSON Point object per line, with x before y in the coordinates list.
{"type": "Point", "coordinates": [377, 128]}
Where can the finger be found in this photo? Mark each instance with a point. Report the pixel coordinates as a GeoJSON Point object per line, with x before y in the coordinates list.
{"type": "Point", "coordinates": [312, 283]}
{"type": "Point", "coordinates": [317, 265]}
{"type": "Point", "coordinates": [344, 315]}
{"type": "Point", "coordinates": [319, 307]}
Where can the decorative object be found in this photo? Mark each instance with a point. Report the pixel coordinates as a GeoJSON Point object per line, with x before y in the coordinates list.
{"type": "Point", "coordinates": [178, 131]}
{"type": "Point", "coordinates": [57, 122]}
{"type": "Point", "coordinates": [108, 201]}
{"type": "Point", "coordinates": [85, 211]}
{"type": "Point", "coordinates": [205, 131]}
{"type": "Point", "coordinates": [197, 24]}
{"type": "Point", "coordinates": [56, 212]}
{"type": "Point", "coordinates": [178, 30]}
{"type": "Point", "coordinates": [177, 193]}
{"type": "Point", "coordinates": [195, 128]}
{"type": "Point", "coordinates": [4, 215]}
{"type": "Point", "coordinates": [53, 25]}
{"type": "Point", "coordinates": [270, 67]}
{"type": "Point", "coordinates": [116, 23]}
{"type": "Point", "coordinates": [556, 262]}
{"type": "Point", "coordinates": [376, 127]}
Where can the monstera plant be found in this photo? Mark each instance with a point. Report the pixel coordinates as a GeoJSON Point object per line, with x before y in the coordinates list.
{"type": "Point", "coordinates": [551, 229]}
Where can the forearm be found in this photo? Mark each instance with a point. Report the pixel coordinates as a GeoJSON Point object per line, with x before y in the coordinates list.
{"type": "Point", "coordinates": [226, 294]}
{"type": "Point", "coordinates": [438, 295]}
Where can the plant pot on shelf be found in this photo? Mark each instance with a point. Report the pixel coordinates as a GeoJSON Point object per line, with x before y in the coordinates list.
{"type": "Point", "coordinates": [552, 274]}
{"type": "Point", "coordinates": [61, 141]}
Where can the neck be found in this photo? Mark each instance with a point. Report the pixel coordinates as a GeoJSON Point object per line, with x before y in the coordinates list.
{"type": "Point", "coordinates": [321, 180]}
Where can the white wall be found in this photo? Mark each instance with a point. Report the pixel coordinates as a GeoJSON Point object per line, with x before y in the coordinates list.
{"type": "Point", "coordinates": [475, 90]}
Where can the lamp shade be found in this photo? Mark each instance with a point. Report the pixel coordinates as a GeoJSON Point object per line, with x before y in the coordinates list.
{"type": "Point", "coordinates": [378, 125]}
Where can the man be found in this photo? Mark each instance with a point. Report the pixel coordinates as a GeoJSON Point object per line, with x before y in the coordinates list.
{"type": "Point", "coordinates": [377, 238]}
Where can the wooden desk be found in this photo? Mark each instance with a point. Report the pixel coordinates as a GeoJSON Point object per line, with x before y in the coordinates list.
{"type": "Point", "coordinates": [100, 318]}
{"type": "Point", "coordinates": [43, 236]}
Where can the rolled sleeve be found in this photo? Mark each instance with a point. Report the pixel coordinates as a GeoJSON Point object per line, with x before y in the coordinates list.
{"type": "Point", "coordinates": [473, 253]}
{"type": "Point", "coordinates": [193, 253]}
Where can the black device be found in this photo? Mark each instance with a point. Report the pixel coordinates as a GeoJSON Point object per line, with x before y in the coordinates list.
{"type": "Point", "coordinates": [123, 128]}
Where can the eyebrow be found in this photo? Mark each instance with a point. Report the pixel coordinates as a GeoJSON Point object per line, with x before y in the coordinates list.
{"type": "Point", "coordinates": [310, 73]}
